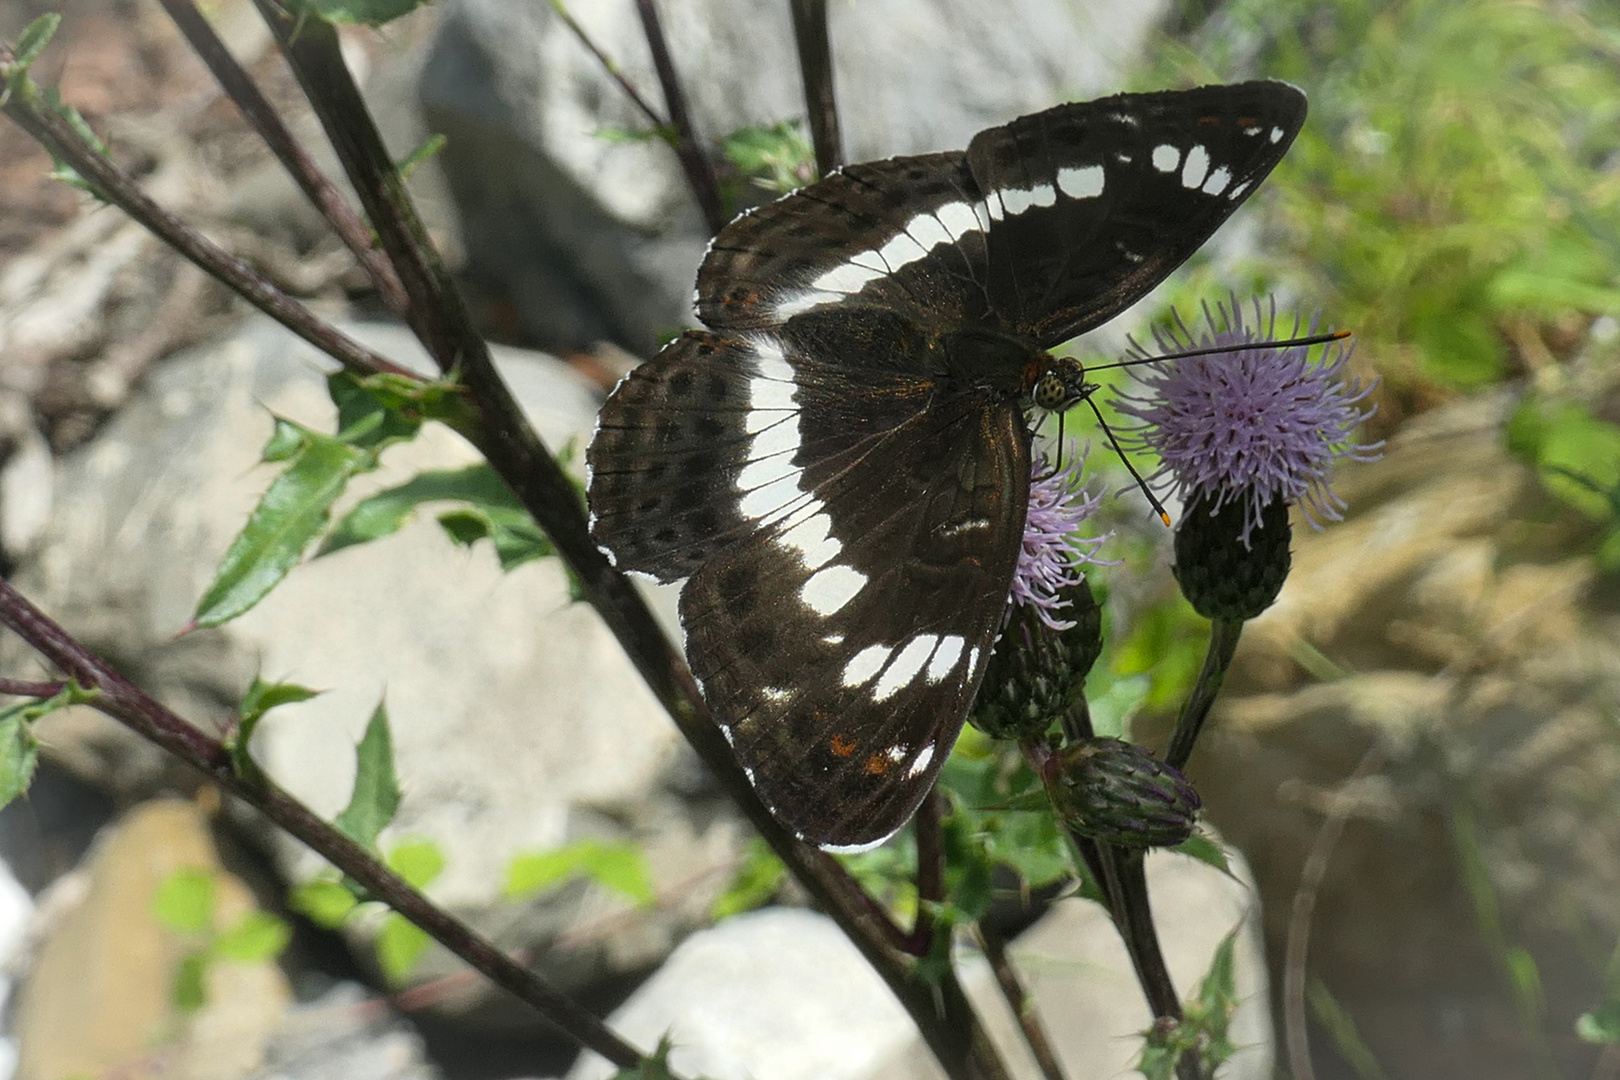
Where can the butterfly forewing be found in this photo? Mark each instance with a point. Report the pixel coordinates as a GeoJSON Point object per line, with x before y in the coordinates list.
{"type": "Point", "coordinates": [1093, 204]}
{"type": "Point", "coordinates": [907, 235]}
{"type": "Point", "coordinates": [839, 648]}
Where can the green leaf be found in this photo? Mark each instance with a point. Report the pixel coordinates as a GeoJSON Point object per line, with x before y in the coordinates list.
{"type": "Point", "coordinates": [190, 989]}
{"type": "Point", "coordinates": [777, 158]}
{"type": "Point", "coordinates": [1205, 850]}
{"type": "Point", "coordinates": [430, 146]}
{"type": "Point", "coordinates": [492, 512]}
{"type": "Point", "coordinates": [754, 884]}
{"type": "Point", "coordinates": [291, 513]}
{"type": "Point", "coordinates": [400, 944]}
{"type": "Point", "coordinates": [417, 861]}
{"type": "Point", "coordinates": [258, 936]}
{"type": "Point", "coordinates": [261, 697]}
{"type": "Point", "coordinates": [375, 799]}
{"type": "Point", "coordinates": [1602, 1024]}
{"type": "Point", "coordinates": [35, 36]}
{"type": "Point", "coordinates": [617, 865]}
{"type": "Point", "coordinates": [324, 903]}
{"type": "Point", "coordinates": [375, 411]}
{"type": "Point", "coordinates": [19, 751]}
{"type": "Point", "coordinates": [184, 901]}
{"type": "Point", "coordinates": [1341, 1027]}
{"type": "Point", "coordinates": [653, 1067]}
{"type": "Point", "coordinates": [286, 440]}
{"type": "Point", "coordinates": [64, 172]}
{"type": "Point", "coordinates": [367, 12]}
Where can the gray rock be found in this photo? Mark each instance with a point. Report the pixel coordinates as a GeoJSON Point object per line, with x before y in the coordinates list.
{"type": "Point", "coordinates": [518, 723]}
{"type": "Point", "coordinates": [345, 1034]}
{"type": "Point", "coordinates": [593, 239]}
{"type": "Point", "coordinates": [781, 993]}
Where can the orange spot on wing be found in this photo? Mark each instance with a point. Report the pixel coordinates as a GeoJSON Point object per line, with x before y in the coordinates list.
{"type": "Point", "coordinates": [841, 746]}
{"type": "Point", "coordinates": [1247, 121]}
{"type": "Point", "coordinates": [1215, 120]}
{"type": "Point", "coordinates": [876, 766]}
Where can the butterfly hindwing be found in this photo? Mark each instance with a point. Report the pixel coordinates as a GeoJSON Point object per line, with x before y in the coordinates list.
{"type": "Point", "coordinates": [906, 234]}
{"type": "Point", "coordinates": [1094, 203]}
{"type": "Point", "coordinates": [839, 648]}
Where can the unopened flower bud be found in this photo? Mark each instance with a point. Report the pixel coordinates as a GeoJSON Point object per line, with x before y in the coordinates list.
{"type": "Point", "coordinates": [1119, 793]}
{"type": "Point", "coordinates": [1224, 573]}
{"type": "Point", "coordinates": [1035, 671]}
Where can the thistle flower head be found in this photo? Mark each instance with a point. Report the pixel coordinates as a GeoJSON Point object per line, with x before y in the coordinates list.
{"type": "Point", "coordinates": [1053, 552]}
{"type": "Point", "coordinates": [1252, 425]}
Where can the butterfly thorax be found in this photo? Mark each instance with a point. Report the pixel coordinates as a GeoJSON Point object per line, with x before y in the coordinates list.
{"type": "Point", "coordinates": [988, 359]}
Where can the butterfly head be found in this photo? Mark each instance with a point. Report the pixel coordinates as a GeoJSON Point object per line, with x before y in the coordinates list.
{"type": "Point", "coordinates": [1062, 385]}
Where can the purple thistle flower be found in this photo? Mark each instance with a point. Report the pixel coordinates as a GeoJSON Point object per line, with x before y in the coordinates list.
{"type": "Point", "coordinates": [1052, 553]}
{"type": "Point", "coordinates": [1252, 424]}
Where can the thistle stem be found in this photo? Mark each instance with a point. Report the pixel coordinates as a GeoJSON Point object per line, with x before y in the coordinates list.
{"type": "Point", "coordinates": [1223, 642]}
{"type": "Point", "coordinates": [815, 68]}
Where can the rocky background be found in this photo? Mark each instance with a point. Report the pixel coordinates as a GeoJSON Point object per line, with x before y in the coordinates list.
{"type": "Point", "coordinates": [1423, 731]}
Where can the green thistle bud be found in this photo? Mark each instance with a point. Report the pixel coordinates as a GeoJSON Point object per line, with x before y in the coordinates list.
{"type": "Point", "coordinates": [1036, 672]}
{"type": "Point", "coordinates": [1119, 793]}
{"type": "Point", "coordinates": [1228, 569]}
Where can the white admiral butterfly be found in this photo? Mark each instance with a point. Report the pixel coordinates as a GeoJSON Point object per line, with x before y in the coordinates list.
{"type": "Point", "coordinates": [841, 461]}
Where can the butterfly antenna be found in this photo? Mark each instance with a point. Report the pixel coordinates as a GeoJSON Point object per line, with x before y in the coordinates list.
{"type": "Point", "coordinates": [1207, 350]}
{"type": "Point", "coordinates": [1152, 499]}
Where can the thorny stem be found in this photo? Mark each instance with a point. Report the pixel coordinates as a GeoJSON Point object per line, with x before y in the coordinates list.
{"type": "Point", "coordinates": [120, 699]}
{"type": "Point", "coordinates": [816, 69]}
{"type": "Point", "coordinates": [324, 194]}
{"type": "Point", "coordinates": [699, 173]}
{"type": "Point", "coordinates": [111, 183]}
{"type": "Point", "coordinates": [1012, 989]}
{"type": "Point", "coordinates": [1223, 642]}
{"type": "Point", "coordinates": [499, 430]}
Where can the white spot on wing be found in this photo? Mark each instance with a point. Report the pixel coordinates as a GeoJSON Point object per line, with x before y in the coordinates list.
{"type": "Point", "coordinates": [764, 501]}
{"type": "Point", "coordinates": [846, 278]}
{"type": "Point", "coordinates": [945, 657]}
{"type": "Point", "coordinates": [1237, 192]}
{"type": "Point", "coordinates": [831, 587]}
{"type": "Point", "coordinates": [922, 761]}
{"type": "Point", "coordinates": [896, 754]}
{"type": "Point", "coordinates": [759, 474]}
{"type": "Point", "coordinates": [1276, 134]}
{"type": "Point", "coordinates": [1251, 130]}
{"type": "Point", "coordinates": [1195, 169]}
{"type": "Point", "coordinates": [812, 537]}
{"type": "Point", "coordinates": [1017, 200]}
{"type": "Point", "coordinates": [905, 666]}
{"type": "Point", "coordinates": [1217, 181]}
{"type": "Point", "coordinates": [1085, 183]}
{"type": "Point", "coordinates": [1166, 158]}
{"type": "Point", "coordinates": [928, 231]}
{"type": "Point", "coordinates": [801, 302]}
{"type": "Point", "coordinates": [865, 664]}
{"type": "Point", "coordinates": [959, 219]}
{"type": "Point", "coordinates": [780, 438]}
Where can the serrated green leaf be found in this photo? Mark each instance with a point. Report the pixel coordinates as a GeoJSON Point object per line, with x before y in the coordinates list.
{"type": "Point", "coordinates": [286, 439]}
{"type": "Point", "coordinates": [1601, 1025]}
{"type": "Point", "coordinates": [400, 944]}
{"type": "Point", "coordinates": [19, 753]}
{"type": "Point", "coordinates": [617, 865]}
{"type": "Point", "coordinates": [415, 159]}
{"type": "Point", "coordinates": [184, 901]}
{"type": "Point", "coordinates": [190, 989]}
{"type": "Point", "coordinates": [497, 513]}
{"type": "Point", "coordinates": [324, 903]}
{"type": "Point", "coordinates": [417, 861]}
{"type": "Point", "coordinates": [1206, 851]}
{"type": "Point", "coordinates": [259, 935]}
{"type": "Point", "coordinates": [364, 12]}
{"type": "Point", "coordinates": [35, 36]}
{"type": "Point", "coordinates": [375, 799]}
{"type": "Point", "coordinates": [291, 513]}
{"type": "Point", "coordinates": [64, 172]}
{"type": "Point", "coordinates": [263, 696]}
{"type": "Point", "coordinates": [653, 1067]}
{"type": "Point", "coordinates": [375, 411]}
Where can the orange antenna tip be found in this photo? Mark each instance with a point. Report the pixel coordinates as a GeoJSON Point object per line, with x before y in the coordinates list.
{"type": "Point", "coordinates": [1164, 517]}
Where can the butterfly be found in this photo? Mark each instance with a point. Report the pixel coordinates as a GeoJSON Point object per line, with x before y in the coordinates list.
{"type": "Point", "coordinates": [840, 462]}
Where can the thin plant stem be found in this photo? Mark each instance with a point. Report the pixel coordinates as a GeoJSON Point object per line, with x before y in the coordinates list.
{"type": "Point", "coordinates": [322, 193]}
{"type": "Point", "coordinates": [1296, 1035]}
{"type": "Point", "coordinates": [120, 699]}
{"type": "Point", "coordinates": [610, 66]}
{"type": "Point", "coordinates": [24, 688]}
{"type": "Point", "coordinates": [699, 173]}
{"type": "Point", "coordinates": [930, 871]}
{"type": "Point", "coordinates": [1012, 989]}
{"type": "Point", "coordinates": [816, 69]}
{"type": "Point", "coordinates": [26, 108]}
{"type": "Point", "coordinates": [1223, 642]}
